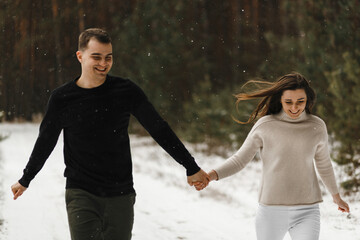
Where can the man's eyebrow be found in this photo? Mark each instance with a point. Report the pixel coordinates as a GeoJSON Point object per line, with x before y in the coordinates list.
{"type": "Point", "coordinates": [99, 54]}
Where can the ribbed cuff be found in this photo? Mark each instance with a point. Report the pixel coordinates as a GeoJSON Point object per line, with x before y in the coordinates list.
{"type": "Point", "coordinates": [24, 182]}
{"type": "Point", "coordinates": [192, 168]}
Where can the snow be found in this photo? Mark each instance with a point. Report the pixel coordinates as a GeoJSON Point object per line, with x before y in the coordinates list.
{"type": "Point", "coordinates": [166, 207]}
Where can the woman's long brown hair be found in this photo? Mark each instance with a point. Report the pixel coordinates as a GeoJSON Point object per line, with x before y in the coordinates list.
{"type": "Point", "coordinates": [270, 102]}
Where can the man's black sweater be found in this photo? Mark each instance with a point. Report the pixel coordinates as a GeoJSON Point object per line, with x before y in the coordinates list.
{"type": "Point", "coordinates": [96, 141]}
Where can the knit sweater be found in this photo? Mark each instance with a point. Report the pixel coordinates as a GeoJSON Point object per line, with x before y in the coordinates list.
{"type": "Point", "coordinates": [96, 143]}
{"type": "Point", "coordinates": [288, 149]}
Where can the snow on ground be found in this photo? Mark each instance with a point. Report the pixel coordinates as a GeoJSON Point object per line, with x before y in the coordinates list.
{"type": "Point", "coordinates": [166, 207]}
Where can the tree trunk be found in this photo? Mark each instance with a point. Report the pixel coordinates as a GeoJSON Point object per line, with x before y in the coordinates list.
{"type": "Point", "coordinates": [58, 56]}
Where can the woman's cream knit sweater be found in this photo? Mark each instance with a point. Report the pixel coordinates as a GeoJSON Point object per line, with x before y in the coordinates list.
{"type": "Point", "coordinates": [288, 149]}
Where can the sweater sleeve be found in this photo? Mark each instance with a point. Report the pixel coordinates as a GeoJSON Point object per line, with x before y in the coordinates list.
{"type": "Point", "coordinates": [48, 135]}
{"type": "Point", "coordinates": [323, 163]}
{"type": "Point", "coordinates": [243, 156]}
{"type": "Point", "coordinates": [161, 132]}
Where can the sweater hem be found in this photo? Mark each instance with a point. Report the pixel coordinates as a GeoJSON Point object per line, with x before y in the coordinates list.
{"type": "Point", "coordinates": [290, 204]}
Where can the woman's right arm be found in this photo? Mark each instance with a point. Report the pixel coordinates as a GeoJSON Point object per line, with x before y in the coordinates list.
{"type": "Point", "coordinates": [242, 157]}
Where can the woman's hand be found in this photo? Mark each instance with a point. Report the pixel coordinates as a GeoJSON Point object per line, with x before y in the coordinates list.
{"type": "Point", "coordinates": [213, 175]}
{"type": "Point", "coordinates": [200, 180]}
{"type": "Point", "coordinates": [342, 205]}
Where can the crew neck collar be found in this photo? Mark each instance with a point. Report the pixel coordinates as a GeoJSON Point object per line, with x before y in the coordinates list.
{"type": "Point", "coordinates": [94, 88]}
{"type": "Point", "coordinates": [282, 115]}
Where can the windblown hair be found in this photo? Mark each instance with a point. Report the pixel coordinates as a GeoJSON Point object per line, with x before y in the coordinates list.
{"type": "Point", "coordinates": [270, 102]}
{"type": "Point", "coordinates": [97, 33]}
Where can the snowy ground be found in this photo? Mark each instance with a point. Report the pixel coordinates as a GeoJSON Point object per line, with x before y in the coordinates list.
{"type": "Point", "coordinates": [166, 208]}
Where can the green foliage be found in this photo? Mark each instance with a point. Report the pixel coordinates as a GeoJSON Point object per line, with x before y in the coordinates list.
{"type": "Point", "coordinates": [350, 185]}
{"type": "Point", "coordinates": [209, 118]}
{"type": "Point", "coordinates": [162, 54]}
{"type": "Point", "coordinates": [345, 87]}
{"type": "Point", "coordinates": [284, 56]}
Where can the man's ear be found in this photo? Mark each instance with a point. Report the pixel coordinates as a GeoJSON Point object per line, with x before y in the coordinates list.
{"type": "Point", "coordinates": [79, 56]}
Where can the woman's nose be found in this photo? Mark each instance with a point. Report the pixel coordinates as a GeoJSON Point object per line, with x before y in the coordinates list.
{"type": "Point", "coordinates": [294, 107]}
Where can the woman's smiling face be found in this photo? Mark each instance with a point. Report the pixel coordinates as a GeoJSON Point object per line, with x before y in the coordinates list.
{"type": "Point", "coordinates": [293, 102]}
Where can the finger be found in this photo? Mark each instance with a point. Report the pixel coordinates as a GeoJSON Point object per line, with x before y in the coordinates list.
{"type": "Point", "coordinates": [347, 208]}
{"type": "Point", "coordinates": [14, 189]}
{"type": "Point", "coordinates": [343, 209]}
{"type": "Point", "coordinates": [208, 177]}
{"type": "Point", "coordinates": [207, 181]}
{"type": "Point", "coordinates": [199, 188]}
{"type": "Point", "coordinates": [16, 194]}
{"type": "Point", "coordinates": [190, 182]}
{"type": "Point", "coordinates": [204, 181]}
{"type": "Point", "coordinates": [200, 184]}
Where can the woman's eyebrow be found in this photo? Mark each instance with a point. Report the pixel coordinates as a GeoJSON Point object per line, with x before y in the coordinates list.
{"type": "Point", "coordinates": [288, 99]}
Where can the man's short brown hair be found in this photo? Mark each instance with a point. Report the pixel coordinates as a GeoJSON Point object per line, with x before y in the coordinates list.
{"type": "Point", "coordinates": [97, 33]}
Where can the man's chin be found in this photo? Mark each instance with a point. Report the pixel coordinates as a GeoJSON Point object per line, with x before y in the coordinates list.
{"type": "Point", "coordinates": [101, 74]}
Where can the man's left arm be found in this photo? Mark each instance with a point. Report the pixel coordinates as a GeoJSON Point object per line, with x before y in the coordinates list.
{"type": "Point", "coordinates": [160, 130]}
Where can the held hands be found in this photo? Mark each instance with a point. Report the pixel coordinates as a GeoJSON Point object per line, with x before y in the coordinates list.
{"type": "Point", "coordinates": [200, 180]}
{"type": "Point", "coordinates": [198, 184]}
{"type": "Point", "coordinates": [17, 190]}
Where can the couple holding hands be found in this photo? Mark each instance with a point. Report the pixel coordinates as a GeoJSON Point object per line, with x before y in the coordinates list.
{"type": "Point", "coordinates": [93, 111]}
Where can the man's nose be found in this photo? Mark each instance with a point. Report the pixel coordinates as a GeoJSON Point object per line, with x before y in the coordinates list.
{"type": "Point", "coordinates": [102, 62]}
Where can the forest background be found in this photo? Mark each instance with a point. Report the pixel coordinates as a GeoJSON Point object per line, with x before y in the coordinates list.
{"type": "Point", "coordinates": [191, 57]}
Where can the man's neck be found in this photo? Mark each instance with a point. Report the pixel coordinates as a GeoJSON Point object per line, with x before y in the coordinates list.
{"type": "Point", "coordinates": [85, 82]}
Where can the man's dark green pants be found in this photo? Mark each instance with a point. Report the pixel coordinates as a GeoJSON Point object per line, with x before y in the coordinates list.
{"type": "Point", "coordinates": [99, 218]}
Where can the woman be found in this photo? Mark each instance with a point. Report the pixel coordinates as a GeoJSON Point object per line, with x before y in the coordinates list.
{"type": "Point", "coordinates": [289, 140]}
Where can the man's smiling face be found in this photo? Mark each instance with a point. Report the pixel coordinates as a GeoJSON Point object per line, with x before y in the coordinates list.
{"type": "Point", "coordinates": [96, 60]}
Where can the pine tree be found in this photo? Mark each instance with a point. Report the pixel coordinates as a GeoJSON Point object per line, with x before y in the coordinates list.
{"type": "Point", "coordinates": [160, 46]}
{"type": "Point", "coordinates": [345, 88]}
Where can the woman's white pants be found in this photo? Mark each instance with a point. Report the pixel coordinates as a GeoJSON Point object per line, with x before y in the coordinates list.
{"type": "Point", "coordinates": [302, 222]}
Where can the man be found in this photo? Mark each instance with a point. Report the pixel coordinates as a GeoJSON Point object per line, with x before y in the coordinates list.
{"type": "Point", "coordinates": [93, 111]}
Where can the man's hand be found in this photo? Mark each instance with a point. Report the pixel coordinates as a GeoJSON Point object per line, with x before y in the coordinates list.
{"type": "Point", "coordinates": [17, 190]}
{"type": "Point", "coordinates": [200, 180]}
